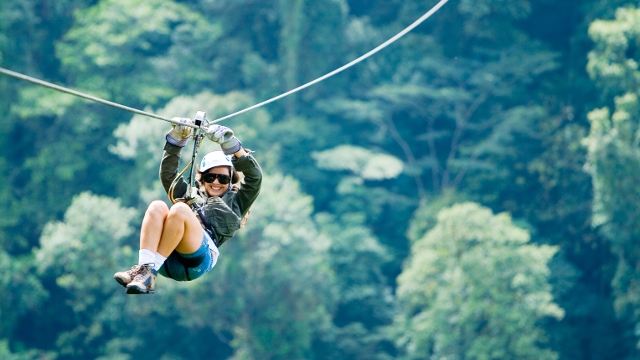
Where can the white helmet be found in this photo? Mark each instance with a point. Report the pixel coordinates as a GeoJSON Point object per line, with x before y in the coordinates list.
{"type": "Point", "coordinates": [215, 159]}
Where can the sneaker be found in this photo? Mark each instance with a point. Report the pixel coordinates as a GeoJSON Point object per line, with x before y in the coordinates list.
{"type": "Point", "coordinates": [144, 282]}
{"type": "Point", "coordinates": [125, 277]}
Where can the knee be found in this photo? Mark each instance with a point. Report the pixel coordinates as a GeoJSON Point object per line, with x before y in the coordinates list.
{"type": "Point", "coordinates": [180, 210]}
{"type": "Point", "coordinates": [158, 208]}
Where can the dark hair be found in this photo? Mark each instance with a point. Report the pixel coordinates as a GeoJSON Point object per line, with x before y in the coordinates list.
{"type": "Point", "coordinates": [235, 178]}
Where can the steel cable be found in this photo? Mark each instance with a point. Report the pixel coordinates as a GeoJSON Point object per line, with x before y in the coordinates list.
{"type": "Point", "coordinates": [151, 115]}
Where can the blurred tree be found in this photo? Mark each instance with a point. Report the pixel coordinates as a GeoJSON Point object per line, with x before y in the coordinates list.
{"type": "Point", "coordinates": [614, 152]}
{"type": "Point", "coordinates": [80, 254]}
{"type": "Point", "coordinates": [474, 288]}
{"type": "Point", "coordinates": [7, 354]}
{"type": "Point", "coordinates": [365, 302]}
{"type": "Point", "coordinates": [60, 142]}
{"type": "Point", "coordinates": [450, 103]}
{"type": "Point", "coordinates": [62, 146]}
{"type": "Point", "coordinates": [28, 31]}
{"type": "Point", "coordinates": [360, 173]}
{"type": "Point", "coordinates": [274, 46]}
{"type": "Point", "coordinates": [452, 106]}
{"type": "Point", "coordinates": [22, 293]}
{"type": "Point", "coordinates": [118, 48]}
{"type": "Point", "coordinates": [556, 194]}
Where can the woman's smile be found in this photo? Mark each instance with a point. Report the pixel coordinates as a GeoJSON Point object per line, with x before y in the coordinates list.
{"type": "Point", "coordinates": [215, 188]}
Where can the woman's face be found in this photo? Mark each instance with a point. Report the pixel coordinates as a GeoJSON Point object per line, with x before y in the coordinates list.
{"type": "Point", "coordinates": [215, 188]}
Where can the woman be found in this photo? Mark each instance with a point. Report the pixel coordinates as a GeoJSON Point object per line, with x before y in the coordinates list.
{"type": "Point", "coordinates": [176, 242]}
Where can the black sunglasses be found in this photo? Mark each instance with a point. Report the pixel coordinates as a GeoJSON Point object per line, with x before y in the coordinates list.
{"type": "Point", "coordinates": [222, 178]}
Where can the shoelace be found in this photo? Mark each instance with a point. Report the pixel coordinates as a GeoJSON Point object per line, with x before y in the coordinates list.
{"type": "Point", "coordinates": [134, 270]}
{"type": "Point", "coordinates": [143, 272]}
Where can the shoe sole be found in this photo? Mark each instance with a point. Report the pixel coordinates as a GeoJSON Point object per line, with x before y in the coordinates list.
{"type": "Point", "coordinates": [121, 281]}
{"type": "Point", "coordinates": [137, 290]}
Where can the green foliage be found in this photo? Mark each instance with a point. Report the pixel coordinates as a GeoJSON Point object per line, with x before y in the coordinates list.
{"type": "Point", "coordinates": [426, 216]}
{"type": "Point", "coordinates": [483, 102]}
{"type": "Point", "coordinates": [366, 302]}
{"type": "Point", "coordinates": [613, 61]}
{"type": "Point", "coordinates": [22, 291]}
{"type": "Point", "coordinates": [488, 17]}
{"type": "Point", "coordinates": [474, 288]}
{"type": "Point", "coordinates": [37, 101]}
{"type": "Point", "coordinates": [47, 155]}
{"type": "Point", "coordinates": [614, 151]}
{"type": "Point", "coordinates": [613, 162]}
{"type": "Point", "coordinates": [119, 48]}
{"type": "Point", "coordinates": [77, 253]}
{"type": "Point", "coordinates": [453, 103]}
{"type": "Point", "coordinates": [5, 353]}
{"type": "Point", "coordinates": [309, 29]}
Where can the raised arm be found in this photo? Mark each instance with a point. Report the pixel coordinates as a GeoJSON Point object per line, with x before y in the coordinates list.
{"type": "Point", "coordinates": [176, 138]}
{"type": "Point", "coordinates": [250, 189]}
{"type": "Point", "coordinates": [243, 161]}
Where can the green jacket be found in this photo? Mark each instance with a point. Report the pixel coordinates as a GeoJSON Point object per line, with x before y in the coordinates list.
{"type": "Point", "coordinates": [223, 213]}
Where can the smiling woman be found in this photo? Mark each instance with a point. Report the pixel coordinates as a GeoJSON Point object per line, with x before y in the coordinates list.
{"type": "Point", "coordinates": [181, 243]}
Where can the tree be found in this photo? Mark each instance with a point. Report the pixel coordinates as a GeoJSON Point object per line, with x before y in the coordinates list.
{"type": "Point", "coordinates": [474, 288]}
{"type": "Point", "coordinates": [28, 31]}
{"type": "Point", "coordinates": [80, 254]}
{"type": "Point", "coordinates": [365, 303]}
{"type": "Point", "coordinates": [115, 51]}
{"type": "Point", "coordinates": [7, 354]}
{"type": "Point", "coordinates": [452, 106]}
{"type": "Point", "coordinates": [613, 159]}
{"type": "Point", "coordinates": [23, 293]}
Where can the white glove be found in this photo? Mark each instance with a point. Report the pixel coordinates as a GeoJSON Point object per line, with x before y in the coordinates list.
{"type": "Point", "coordinates": [224, 136]}
{"type": "Point", "coordinates": [179, 134]}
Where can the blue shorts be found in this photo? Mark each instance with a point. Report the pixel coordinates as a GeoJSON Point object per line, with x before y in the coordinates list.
{"type": "Point", "coordinates": [187, 267]}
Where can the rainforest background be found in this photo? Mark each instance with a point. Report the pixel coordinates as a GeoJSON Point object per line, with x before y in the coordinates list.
{"type": "Point", "coordinates": [470, 192]}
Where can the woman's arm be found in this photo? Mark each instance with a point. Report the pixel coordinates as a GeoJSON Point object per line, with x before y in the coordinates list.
{"type": "Point", "coordinates": [176, 138]}
{"type": "Point", "coordinates": [240, 153]}
{"type": "Point", "coordinates": [169, 170]}
{"type": "Point", "coordinates": [244, 162]}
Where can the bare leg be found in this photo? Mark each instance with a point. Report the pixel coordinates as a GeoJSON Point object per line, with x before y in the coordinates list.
{"type": "Point", "coordinates": [181, 232]}
{"type": "Point", "coordinates": [150, 234]}
{"type": "Point", "coordinates": [163, 230]}
{"type": "Point", "coordinates": [152, 225]}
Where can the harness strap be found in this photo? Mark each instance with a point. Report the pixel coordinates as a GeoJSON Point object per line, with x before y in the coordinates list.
{"type": "Point", "coordinates": [206, 226]}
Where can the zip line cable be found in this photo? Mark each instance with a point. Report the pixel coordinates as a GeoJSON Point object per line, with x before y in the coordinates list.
{"type": "Point", "coordinates": [344, 67]}
{"type": "Point", "coordinates": [144, 113]}
{"type": "Point", "coordinates": [85, 96]}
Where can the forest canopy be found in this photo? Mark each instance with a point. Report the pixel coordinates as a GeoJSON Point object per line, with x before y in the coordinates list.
{"type": "Point", "coordinates": [468, 192]}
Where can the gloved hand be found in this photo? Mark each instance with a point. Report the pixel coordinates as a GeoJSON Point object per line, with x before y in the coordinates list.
{"type": "Point", "coordinates": [224, 136]}
{"type": "Point", "coordinates": [179, 134]}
